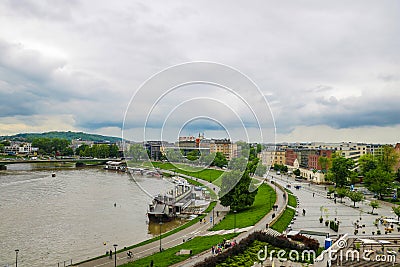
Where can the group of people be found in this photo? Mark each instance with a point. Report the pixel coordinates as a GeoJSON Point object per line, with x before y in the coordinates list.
{"type": "Point", "coordinates": [215, 250]}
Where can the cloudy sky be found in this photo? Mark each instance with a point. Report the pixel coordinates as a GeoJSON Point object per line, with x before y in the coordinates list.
{"type": "Point", "coordinates": [330, 71]}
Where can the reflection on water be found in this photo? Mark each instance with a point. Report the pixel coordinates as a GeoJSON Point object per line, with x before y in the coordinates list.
{"type": "Point", "coordinates": [71, 216]}
{"type": "Point", "coordinates": [154, 228]}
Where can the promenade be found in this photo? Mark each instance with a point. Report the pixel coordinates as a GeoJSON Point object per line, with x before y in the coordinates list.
{"type": "Point", "coordinates": [198, 229]}
{"type": "Point", "coordinates": [313, 198]}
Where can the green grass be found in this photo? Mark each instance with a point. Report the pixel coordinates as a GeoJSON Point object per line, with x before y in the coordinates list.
{"type": "Point", "coordinates": [252, 215]}
{"type": "Point", "coordinates": [197, 172]}
{"type": "Point", "coordinates": [292, 201]}
{"type": "Point", "coordinates": [282, 223]}
{"type": "Point", "coordinates": [168, 257]}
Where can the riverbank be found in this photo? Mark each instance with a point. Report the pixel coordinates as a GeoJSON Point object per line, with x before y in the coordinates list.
{"type": "Point", "coordinates": [145, 251]}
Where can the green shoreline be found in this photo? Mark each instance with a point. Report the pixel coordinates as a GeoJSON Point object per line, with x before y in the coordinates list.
{"type": "Point", "coordinates": [171, 232]}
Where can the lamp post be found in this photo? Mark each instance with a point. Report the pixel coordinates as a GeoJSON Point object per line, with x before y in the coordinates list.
{"type": "Point", "coordinates": [234, 230]}
{"type": "Point", "coordinates": [160, 235]}
{"type": "Point", "coordinates": [213, 218]}
{"type": "Point", "coordinates": [16, 257]}
{"type": "Point", "coordinates": [115, 255]}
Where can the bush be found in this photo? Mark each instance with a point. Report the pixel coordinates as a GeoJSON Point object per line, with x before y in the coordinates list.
{"type": "Point", "coordinates": [309, 243]}
{"type": "Point", "coordinates": [281, 242]}
{"type": "Point", "coordinates": [334, 226]}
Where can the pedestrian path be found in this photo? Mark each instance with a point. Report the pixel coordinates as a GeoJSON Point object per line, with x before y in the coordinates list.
{"type": "Point", "coordinates": [260, 226]}
{"type": "Point", "coordinates": [313, 199]}
{"type": "Point", "coordinates": [198, 229]}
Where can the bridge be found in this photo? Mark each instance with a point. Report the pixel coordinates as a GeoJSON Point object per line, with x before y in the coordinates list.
{"type": "Point", "coordinates": [4, 163]}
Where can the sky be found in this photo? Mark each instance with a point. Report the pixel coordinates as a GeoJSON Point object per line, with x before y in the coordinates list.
{"type": "Point", "coordinates": [287, 71]}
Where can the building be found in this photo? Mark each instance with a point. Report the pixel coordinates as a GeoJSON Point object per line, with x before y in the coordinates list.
{"type": "Point", "coordinates": [154, 149]}
{"type": "Point", "coordinates": [313, 158]}
{"type": "Point", "coordinates": [223, 146]}
{"type": "Point", "coordinates": [270, 158]}
{"type": "Point", "coordinates": [22, 148]}
{"type": "Point", "coordinates": [291, 156]}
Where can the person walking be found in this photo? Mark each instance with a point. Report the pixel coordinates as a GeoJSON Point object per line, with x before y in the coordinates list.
{"type": "Point", "coordinates": [304, 212]}
{"type": "Point", "coordinates": [313, 194]}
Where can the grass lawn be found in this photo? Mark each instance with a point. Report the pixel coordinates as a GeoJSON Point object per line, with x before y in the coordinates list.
{"type": "Point", "coordinates": [168, 257]}
{"type": "Point", "coordinates": [197, 172]}
{"type": "Point", "coordinates": [282, 223]}
{"type": "Point", "coordinates": [261, 206]}
{"type": "Point", "coordinates": [292, 201]}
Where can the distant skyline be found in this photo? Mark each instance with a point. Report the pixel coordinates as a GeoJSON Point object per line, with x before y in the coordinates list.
{"type": "Point", "coordinates": [330, 71]}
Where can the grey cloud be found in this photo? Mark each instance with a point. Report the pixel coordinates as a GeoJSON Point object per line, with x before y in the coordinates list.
{"type": "Point", "coordinates": [313, 61]}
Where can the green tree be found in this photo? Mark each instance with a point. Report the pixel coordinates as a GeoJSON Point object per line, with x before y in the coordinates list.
{"type": "Point", "coordinates": [379, 181]}
{"type": "Point", "coordinates": [53, 146]}
{"type": "Point", "coordinates": [398, 174]}
{"type": "Point", "coordinates": [80, 149]}
{"type": "Point", "coordinates": [5, 143]}
{"type": "Point", "coordinates": [340, 170]}
{"type": "Point", "coordinates": [137, 152]}
{"type": "Point", "coordinates": [114, 151]}
{"type": "Point", "coordinates": [374, 205]}
{"type": "Point", "coordinates": [173, 155]}
{"type": "Point", "coordinates": [396, 210]}
{"type": "Point", "coordinates": [388, 159]}
{"type": "Point", "coordinates": [238, 164]}
{"type": "Point", "coordinates": [259, 148]}
{"type": "Point", "coordinates": [296, 172]}
{"type": "Point", "coordinates": [207, 158]}
{"type": "Point", "coordinates": [193, 155]}
{"type": "Point", "coordinates": [355, 196]}
{"type": "Point", "coordinates": [68, 151]}
{"type": "Point", "coordinates": [341, 193]}
{"type": "Point", "coordinates": [324, 163]}
{"type": "Point", "coordinates": [252, 154]}
{"type": "Point", "coordinates": [260, 170]}
{"type": "Point", "coordinates": [220, 160]}
{"type": "Point", "coordinates": [244, 148]}
{"type": "Point", "coordinates": [239, 197]}
{"type": "Point", "coordinates": [367, 163]}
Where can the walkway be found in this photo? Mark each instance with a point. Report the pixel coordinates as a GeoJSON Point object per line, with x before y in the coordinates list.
{"type": "Point", "coordinates": [313, 197]}
{"type": "Point", "coordinates": [259, 226]}
{"type": "Point", "coordinates": [173, 240]}
{"type": "Point", "coordinates": [198, 229]}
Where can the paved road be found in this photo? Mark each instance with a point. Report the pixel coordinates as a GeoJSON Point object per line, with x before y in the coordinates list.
{"type": "Point", "coordinates": [312, 197]}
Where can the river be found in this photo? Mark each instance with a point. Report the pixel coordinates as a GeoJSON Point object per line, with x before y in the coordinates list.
{"type": "Point", "coordinates": [70, 216]}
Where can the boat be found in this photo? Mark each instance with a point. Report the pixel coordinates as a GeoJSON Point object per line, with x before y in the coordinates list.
{"type": "Point", "coordinates": [53, 174]}
{"type": "Point", "coordinates": [166, 207]}
{"type": "Point", "coordinates": [115, 166]}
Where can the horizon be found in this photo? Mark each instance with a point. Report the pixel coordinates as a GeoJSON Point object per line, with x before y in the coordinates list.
{"type": "Point", "coordinates": [277, 143]}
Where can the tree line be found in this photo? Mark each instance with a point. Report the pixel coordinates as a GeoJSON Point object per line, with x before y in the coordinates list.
{"type": "Point", "coordinates": [62, 147]}
{"type": "Point", "coordinates": [377, 171]}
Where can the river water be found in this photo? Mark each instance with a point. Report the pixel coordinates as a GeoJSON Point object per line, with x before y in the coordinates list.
{"type": "Point", "coordinates": [71, 216]}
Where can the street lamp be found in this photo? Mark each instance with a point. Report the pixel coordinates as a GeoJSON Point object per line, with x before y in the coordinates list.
{"type": "Point", "coordinates": [16, 257]}
{"type": "Point", "coordinates": [115, 254]}
{"type": "Point", "coordinates": [234, 230]}
{"type": "Point", "coordinates": [160, 235]}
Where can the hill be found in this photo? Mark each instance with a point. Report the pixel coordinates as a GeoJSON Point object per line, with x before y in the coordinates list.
{"type": "Point", "coordinates": [28, 137]}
